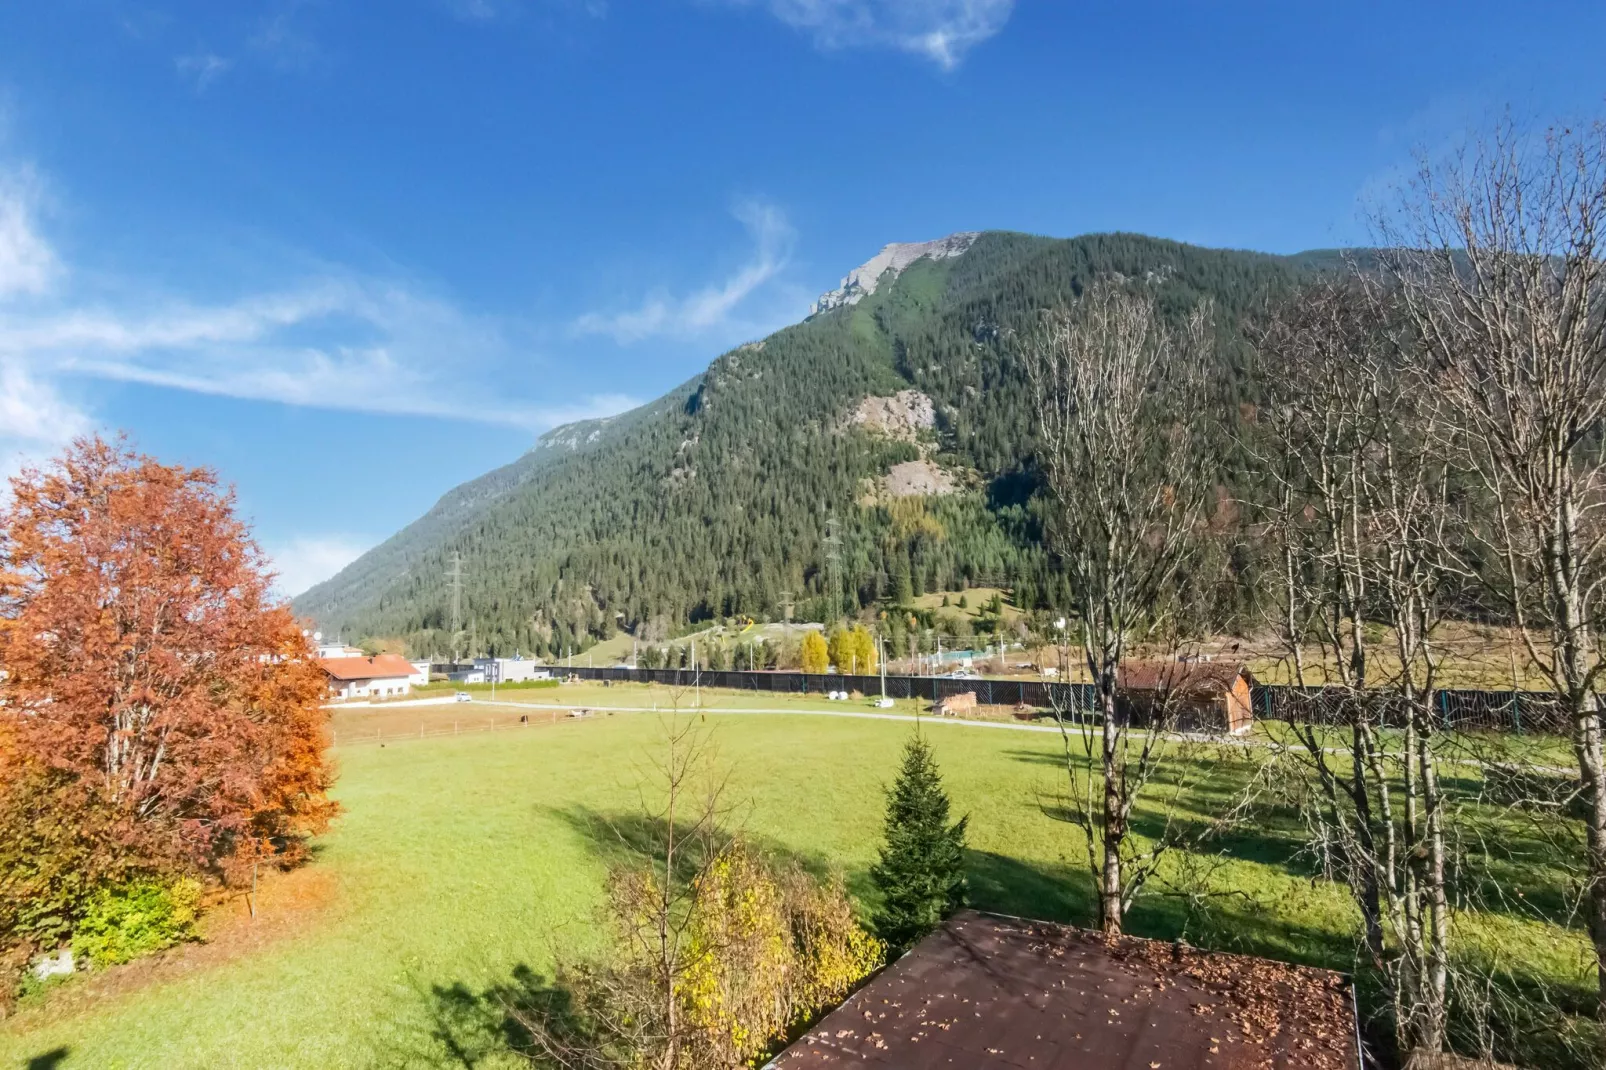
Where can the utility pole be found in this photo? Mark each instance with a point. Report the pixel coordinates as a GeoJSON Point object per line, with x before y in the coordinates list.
{"type": "Point", "coordinates": [454, 583]}
{"type": "Point", "coordinates": [1060, 624]}
{"type": "Point", "coordinates": [881, 650]}
{"type": "Point", "coordinates": [696, 678]}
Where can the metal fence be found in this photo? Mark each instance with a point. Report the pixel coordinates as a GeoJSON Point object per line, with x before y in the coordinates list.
{"type": "Point", "coordinates": [1459, 709]}
{"type": "Point", "coordinates": [988, 692]}
{"type": "Point", "coordinates": [1506, 711]}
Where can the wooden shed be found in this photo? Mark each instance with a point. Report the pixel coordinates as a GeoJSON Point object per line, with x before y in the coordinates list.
{"type": "Point", "coordinates": [954, 705]}
{"type": "Point", "coordinates": [1190, 694]}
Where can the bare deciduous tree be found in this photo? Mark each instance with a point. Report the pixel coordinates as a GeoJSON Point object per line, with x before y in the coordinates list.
{"type": "Point", "coordinates": [1363, 519]}
{"type": "Point", "coordinates": [1498, 259]}
{"type": "Point", "coordinates": [1121, 405]}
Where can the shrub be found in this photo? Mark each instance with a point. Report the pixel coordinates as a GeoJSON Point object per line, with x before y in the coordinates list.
{"type": "Point", "coordinates": [124, 922]}
{"type": "Point", "coordinates": [769, 949]}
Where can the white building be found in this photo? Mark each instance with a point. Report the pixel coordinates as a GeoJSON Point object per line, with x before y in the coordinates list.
{"type": "Point", "coordinates": [420, 675]}
{"type": "Point", "coordinates": [511, 670]}
{"type": "Point", "coordinates": [380, 676]}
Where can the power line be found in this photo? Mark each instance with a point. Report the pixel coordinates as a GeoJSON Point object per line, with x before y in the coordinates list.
{"type": "Point", "coordinates": [454, 583]}
{"type": "Point", "coordinates": [833, 569]}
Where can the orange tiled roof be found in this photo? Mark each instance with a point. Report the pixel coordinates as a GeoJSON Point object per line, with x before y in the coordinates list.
{"type": "Point", "coordinates": [380, 666]}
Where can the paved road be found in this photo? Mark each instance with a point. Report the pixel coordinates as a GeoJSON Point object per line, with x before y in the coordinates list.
{"type": "Point", "coordinates": [701, 709]}
{"type": "Point", "coordinates": [957, 722]}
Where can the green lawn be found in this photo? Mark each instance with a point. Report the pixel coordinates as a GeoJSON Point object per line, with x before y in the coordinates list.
{"type": "Point", "coordinates": [461, 858]}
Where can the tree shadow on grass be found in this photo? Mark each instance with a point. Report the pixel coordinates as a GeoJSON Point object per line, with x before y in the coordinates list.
{"type": "Point", "coordinates": [626, 838]}
{"type": "Point", "coordinates": [472, 1025]}
{"type": "Point", "coordinates": [1504, 857]}
{"type": "Point", "coordinates": [48, 1060]}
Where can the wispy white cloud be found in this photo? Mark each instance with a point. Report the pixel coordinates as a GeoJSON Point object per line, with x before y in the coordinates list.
{"type": "Point", "coordinates": [491, 10]}
{"type": "Point", "coordinates": [202, 68]}
{"type": "Point", "coordinates": [339, 340]}
{"type": "Point", "coordinates": [712, 309]}
{"type": "Point", "coordinates": [28, 265]}
{"type": "Point", "coordinates": [283, 38]}
{"type": "Point", "coordinates": [472, 10]}
{"type": "Point", "coordinates": [940, 30]}
{"type": "Point", "coordinates": [308, 560]}
{"type": "Point", "coordinates": [379, 348]}
{"type": "Point", "coordinates": [36, 420]}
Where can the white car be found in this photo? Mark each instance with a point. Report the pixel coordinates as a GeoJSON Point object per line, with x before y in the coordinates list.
{"type": "Point", "coordinates": [463, 696]}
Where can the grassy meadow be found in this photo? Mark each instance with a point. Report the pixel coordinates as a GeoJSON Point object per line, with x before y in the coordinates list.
{"type": "Point", "coordinates": [463, 861]}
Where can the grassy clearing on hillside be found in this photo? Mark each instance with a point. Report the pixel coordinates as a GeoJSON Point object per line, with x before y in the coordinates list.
{"type": "Point", "coordinates": [976, 600]}
{"type": "Point", "coordinates": [461, 860]}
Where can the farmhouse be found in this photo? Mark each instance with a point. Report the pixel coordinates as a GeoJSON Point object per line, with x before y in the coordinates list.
{"type": "Point", "coordinates": [380, 676]}
{"type": "Point", "coordinates": [1190, 694]}
{"type": "Point", "coordinates": [987, 990]}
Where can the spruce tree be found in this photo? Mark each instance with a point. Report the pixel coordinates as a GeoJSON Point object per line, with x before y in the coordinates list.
{"type": "Point", "coordinates": [921, 875]}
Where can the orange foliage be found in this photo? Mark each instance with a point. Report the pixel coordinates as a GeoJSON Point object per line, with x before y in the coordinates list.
{"type": "Point", "coordinates": [150, 679]}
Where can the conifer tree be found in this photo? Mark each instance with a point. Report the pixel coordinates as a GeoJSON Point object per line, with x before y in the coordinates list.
{"type": "Point", "coordinates": [921, 875]}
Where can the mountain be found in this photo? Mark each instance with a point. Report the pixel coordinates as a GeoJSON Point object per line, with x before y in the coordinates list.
{"type": "Point", "coordinates": [880, 448]}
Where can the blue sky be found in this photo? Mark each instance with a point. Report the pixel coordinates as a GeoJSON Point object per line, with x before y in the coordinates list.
{"type": "Point", "coordinates": [351, 253]}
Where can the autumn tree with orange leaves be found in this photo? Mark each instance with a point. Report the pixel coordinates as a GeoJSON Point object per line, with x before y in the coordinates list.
{"type": "Point", "coordinates": [160, 712]}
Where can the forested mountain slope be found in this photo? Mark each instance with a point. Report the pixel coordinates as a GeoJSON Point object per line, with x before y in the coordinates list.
{"type": "Point", "coordinates": [718, 498]}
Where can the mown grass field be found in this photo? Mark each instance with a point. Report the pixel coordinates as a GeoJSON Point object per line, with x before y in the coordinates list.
{"type": "Point", "coordinates": [461, 859]}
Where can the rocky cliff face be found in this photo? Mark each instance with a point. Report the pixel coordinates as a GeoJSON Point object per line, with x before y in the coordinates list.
{"type": "Point", "coordinates": [864, 279]}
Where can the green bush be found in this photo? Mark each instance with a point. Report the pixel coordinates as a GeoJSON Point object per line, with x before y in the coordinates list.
{"type": "Point", "coordinates": [126, 921]}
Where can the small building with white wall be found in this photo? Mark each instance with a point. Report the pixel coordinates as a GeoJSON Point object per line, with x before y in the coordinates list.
{"type": "Point", "coordinates": [511, 670]}
{"type": "Point", "coordinates": [379, 676]}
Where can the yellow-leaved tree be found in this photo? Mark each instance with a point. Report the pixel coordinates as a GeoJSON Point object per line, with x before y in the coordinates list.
{"type": "Point", "coordinates": [815, 656]}
{"type": "Point", "coordinates": [853, 650]}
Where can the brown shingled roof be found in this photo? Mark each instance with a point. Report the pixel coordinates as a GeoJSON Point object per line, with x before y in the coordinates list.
{"type": "Point", "coordinates": [1191, 677]}
{"type": "Point", "coordinates": [989, 991]}
{"type": "Point", "coordinates": [380, 666]}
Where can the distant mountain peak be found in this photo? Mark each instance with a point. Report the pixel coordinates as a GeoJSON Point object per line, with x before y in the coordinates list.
{"type": "Point", "coordinates": [863, 280]}
{"type": "Point", "coordinates": [572, 436]}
